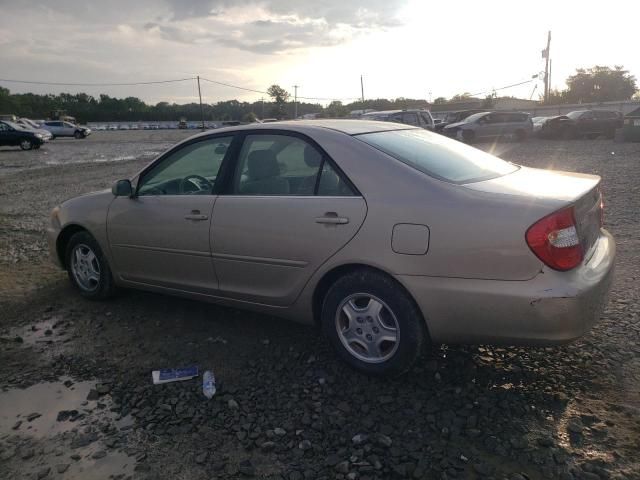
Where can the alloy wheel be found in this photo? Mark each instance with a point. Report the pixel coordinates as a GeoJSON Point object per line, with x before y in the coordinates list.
{"type": "Point", "coordinates": [85, 267]}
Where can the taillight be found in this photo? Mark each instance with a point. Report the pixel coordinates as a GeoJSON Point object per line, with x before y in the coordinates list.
{"type": "Point", "coordinates": [601, 207]}
{"type": "Point", "coordinates": [554, 239]}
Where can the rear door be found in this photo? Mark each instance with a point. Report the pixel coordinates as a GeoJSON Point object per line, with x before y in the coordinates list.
{"type": "Point", "coordinates": [161, 236]}
{"type": "Point", "coordinates": [285, 211]}
{"type": "Point", "coordinates": [7, 135]}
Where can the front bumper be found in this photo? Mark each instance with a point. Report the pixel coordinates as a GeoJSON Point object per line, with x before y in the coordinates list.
{"type": "Point", "coordinates": [552, 308]}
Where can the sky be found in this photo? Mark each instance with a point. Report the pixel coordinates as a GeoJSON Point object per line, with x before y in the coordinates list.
{"type": "Point", "coordinates": [402, 48]}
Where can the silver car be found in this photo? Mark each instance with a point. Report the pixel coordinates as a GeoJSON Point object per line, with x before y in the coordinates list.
{"type": "Point", "coordinates": [389, 237]}
{"type": "Point", "coordinates": [490, 125]}
{"type": "Point", "coordinates": [59, 128]}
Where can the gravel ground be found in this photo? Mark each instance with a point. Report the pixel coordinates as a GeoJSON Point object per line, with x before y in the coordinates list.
{"type": "Point", "coordinates": [77, 399]}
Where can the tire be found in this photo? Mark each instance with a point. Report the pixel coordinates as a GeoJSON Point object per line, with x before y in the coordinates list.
{"type": "Point", "coordinates": [468, 136]}
{"type": "Point", "coordinates": [88, 268]}
{"type": "Point", "coordinates": [520, 135]}
{"type": "Point", "coordinates": [78, 135]}
{"type": "Point", "coordinates": [26, 144]}
{"type": "Point", "coordinates": [37, 146]}
{"type": "Point", "coordinates": [362, 293]}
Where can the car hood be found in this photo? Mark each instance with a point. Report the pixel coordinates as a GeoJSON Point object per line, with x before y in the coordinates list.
{"type": "Point", "coordinates": [553, 187]}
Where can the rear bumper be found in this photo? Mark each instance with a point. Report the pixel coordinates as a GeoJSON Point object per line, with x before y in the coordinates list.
{"type": "Point", "coordinates": [553, 307]}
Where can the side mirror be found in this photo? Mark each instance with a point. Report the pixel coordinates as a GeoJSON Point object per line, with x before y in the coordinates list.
{"type": "Point", "coordinates": [122, 188]}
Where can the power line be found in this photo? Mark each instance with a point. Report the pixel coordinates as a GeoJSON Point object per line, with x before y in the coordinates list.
{"type": "Point", "coordinates": [96, 84]}
{"type": "Point", "coordinates": [233, 86]}
{"type": "Point", "coordinates": [504, 88]}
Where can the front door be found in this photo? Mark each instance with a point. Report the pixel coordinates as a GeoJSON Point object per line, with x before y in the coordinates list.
{"type": "Point", "coordinates": [285, 212]}
{"type": "Point", "coordinates": [161, 235]}
{"type": "Point", "coordinates": [8, 135]}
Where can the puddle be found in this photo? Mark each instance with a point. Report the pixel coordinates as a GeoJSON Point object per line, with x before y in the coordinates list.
{"type": "Point", "coordinates": [45, 332]}
{"type": "Point", "coordinates": [46, 400]}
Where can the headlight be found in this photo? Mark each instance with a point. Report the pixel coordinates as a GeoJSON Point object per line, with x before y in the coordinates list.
{"type": "Point", "coordinates": [39, 135]}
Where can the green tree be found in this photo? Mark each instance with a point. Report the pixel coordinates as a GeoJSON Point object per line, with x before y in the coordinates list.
{"type": "Point", "coordinates": [440, 101]}
{"type": "Point", "coordinates": [600, 84]}
{"type": "Point", "coordinates": [336, 110]}
{"type": "Point", "coordinates": [280, 97]}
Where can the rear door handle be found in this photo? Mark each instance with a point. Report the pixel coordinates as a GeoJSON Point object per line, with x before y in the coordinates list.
{"type": "Point", "coordinates": [332, 218]}
{"type": "Point", "coordinates": [196, 216]}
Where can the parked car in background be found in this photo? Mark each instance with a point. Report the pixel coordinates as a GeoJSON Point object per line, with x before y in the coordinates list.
{"type": "Point", "coordinates": [538, 122]}
{"type": "Point", "coordinates": [8, 118]}
{"type": "Point", "coordinates": [388, 236]}
{"type": "Point", "coordinates": [455, 117]}
{"type": "Point", "coordinates": [583, 123]}
{"type": "Point", "coordinates": [59, 128]}
{"type": "Point", "coordinates": [31, 125]}
{"type": "Point", "coordinates": [415, 117]}
{"type": "Point", "coordinates": [487, 125]}
{"type": "Point", "coordinates": [12, 134]}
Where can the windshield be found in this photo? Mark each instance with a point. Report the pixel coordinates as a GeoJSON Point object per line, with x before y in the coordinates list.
{"type": "Point", "coordinates": [438, 156]}
{"type": "Point", "coordinates": [576, 115]}
{"type": "Point", "coordinates": [15, 126]}
{"type": "Point", "coordinates": [474, 117]}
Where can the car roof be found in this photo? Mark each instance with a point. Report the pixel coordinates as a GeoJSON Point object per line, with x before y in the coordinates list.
{"type": "Point", "coordinates": [390, 112]}
{"type": "Point", "coordinates": [349, 127]}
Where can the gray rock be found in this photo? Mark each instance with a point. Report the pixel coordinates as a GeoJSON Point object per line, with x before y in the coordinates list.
{"type": "Point", "coordinates": [62, 467]}
{"type": "Point", "coordinates": [201, 458]}
{"type": "Point", "coordinates": [281, 432]}
{"type": "Point", "coordinates": [268, 446]}
{"type": "Point", "coordinates": [32, 416]}
{"type": "Point", "coordinates": [384, 440]}
{"type": "Point", "coordinates": [575, 425]}
{"type": "Point", "coordinates": [246, 468]}
{"type": "Point", "coordinates": [44, 472]}
{"type": "Point", "coordinates": [304, 445]}
{"type": "Point", "coordinates": [360, 438]}
{"type": "Point", "coordinates": [99, 454]}
{"type": "Point", "coordinates": [232, 404]}
{"type": "Point", "coordinates": [93, 395]}
{"type": "Point", "coordinates": [342, 467]}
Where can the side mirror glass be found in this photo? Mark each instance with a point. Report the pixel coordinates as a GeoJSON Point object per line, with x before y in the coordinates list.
{"type": "Point", "coordinates": [122, 188]}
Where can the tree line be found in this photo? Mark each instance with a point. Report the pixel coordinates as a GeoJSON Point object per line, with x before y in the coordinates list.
{"type": "Point", "coordinates": [597, 84]}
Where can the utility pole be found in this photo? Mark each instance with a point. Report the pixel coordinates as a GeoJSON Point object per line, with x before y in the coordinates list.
{"type": "Point", "coordinates": [201, 109]}
{"type": "Point", "coordinates": [295, 102]}
{"type": "Point", "coordinates": [262, 100]}
{"type": "Point", "coordinates": [545, 55]}
{"type": "Point", "coordinates": [362, 92]}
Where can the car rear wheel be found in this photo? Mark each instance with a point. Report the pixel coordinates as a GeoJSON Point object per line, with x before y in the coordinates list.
{"type": "Point", "coordinates": [26, 144]}
{"type": "Point", "coordinates": [88, 268]}
{"type": "Point", "coordinates": [78, 135]}
{"type": "Point", "coordinates": [372, 323]}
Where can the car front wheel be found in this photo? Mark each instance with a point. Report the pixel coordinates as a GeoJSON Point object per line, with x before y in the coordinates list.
{"type": "Point", "coordinates": [26, 144]}
{"type": "Point", "coordinates": [78, 135]}
{"type": "Point", "coordinates": [88, 268]}
{"type": "Point", "coordinates": [372, 323]}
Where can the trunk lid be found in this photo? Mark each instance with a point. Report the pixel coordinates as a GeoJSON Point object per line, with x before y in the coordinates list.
{"type": "Point", "coordinates": [555, 190]}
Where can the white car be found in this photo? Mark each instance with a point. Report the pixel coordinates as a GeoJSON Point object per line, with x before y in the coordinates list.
{"type": "Point", "coordinates": [59, 128]}
{"type": "Point", "coordinates": [31, 125]}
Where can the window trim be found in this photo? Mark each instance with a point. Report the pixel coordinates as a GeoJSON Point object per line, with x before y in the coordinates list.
{"type": "Point", "coordinates": [185, 144]}
{"type": "Point", "coordinates": [226, 185]}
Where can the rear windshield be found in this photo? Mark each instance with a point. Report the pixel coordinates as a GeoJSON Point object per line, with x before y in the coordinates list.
{"type": "Point", "coordinates": [438, 156]}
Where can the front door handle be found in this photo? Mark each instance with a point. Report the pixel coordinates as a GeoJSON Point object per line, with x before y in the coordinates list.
{"type": "Point", "coordinates": [196, 216]}
{"type": "Point", "coordinates": [332, 218]}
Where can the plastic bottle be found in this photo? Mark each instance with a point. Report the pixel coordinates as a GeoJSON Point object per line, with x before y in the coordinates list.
{"type": "Point", "coordinates": [208, 384]}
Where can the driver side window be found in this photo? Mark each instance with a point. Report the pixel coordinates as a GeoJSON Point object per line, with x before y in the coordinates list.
{"type": "Point", "coordinates": [191, 170]}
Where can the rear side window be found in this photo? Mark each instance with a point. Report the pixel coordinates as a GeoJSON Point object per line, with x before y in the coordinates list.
{"type": "Point", "coordinates": [438, 156]}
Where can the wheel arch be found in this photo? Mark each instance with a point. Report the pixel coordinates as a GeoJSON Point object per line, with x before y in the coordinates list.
{"type": "Point", "coordinates": [329, 278]}
{"type": "Point", "coordinates": [63, 240]}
